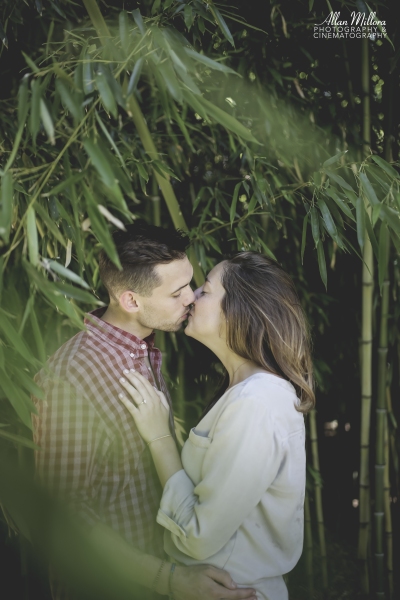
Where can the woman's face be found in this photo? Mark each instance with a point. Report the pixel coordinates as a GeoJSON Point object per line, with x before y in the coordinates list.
{"type": "Point", "coordinates": [206, 320]}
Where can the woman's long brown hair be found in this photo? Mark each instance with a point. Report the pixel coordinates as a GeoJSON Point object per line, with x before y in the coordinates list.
{"type": "Point", "coordinates": [265, 322]}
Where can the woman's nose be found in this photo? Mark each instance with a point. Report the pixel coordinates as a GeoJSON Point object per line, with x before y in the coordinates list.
{"type": "Point", "coordinates": [197, 293]}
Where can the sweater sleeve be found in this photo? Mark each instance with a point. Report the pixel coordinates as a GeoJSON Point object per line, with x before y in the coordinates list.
{"type": "Point", "coordinates": [240, 464]}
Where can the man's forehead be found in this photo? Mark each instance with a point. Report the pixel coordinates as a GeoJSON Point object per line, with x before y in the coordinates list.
{"type": "Point", "coordinates": [175, 274]}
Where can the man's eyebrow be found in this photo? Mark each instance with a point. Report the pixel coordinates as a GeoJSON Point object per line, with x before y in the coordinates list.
{"type": "Point", "coordinates": [181, 288]}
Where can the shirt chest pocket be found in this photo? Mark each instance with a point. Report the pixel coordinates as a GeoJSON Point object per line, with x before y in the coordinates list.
{"type": "Point", "coordinates": [193, 454]}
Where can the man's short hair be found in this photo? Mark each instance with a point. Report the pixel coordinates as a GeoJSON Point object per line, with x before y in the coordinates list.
{"type": "Point", "coordinates": [140, 249]}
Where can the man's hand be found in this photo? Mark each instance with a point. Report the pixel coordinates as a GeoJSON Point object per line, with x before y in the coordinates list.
{"type": "Point", "coordinates": [204, 582]}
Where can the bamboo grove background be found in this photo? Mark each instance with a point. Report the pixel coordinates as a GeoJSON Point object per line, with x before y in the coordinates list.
{"type": "Point", "coordinates": [232, 122]}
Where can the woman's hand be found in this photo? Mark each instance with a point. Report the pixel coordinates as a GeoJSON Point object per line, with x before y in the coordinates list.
{"type": "Point", "coordinates": [149, 408]}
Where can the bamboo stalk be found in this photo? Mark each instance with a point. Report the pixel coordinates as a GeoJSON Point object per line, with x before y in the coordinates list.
{"type": "Point", "coordinates": [381, 419]}
{"type": "Point", "coordinates": [308, 546]}
{"type": "Point", "coordinates": [366, 354]}
{"type": "Point", "coordinates": [148, 144]}
{"type": "Point", "coordinates": [155, 198]}
{"type": "Point", "coordinates": [318, 498]}
{"type": "Point", "coordinates": [180, 391]}
{"type": "Point", "coordinates": [388, 514]}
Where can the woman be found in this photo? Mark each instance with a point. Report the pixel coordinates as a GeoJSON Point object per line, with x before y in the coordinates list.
{"type": "Point", "coordinates": [234, 499]}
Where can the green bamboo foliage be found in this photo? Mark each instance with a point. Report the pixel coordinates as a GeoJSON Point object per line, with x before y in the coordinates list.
{"type": "Point", "coordinates": [381, 423]}
{"type": "Point", "coordinates": [318, 497]}
{"type": "Point", "coordinates": [366, 346]}
{"type": "Point", "coordinates": [388, 516]}
{"type": "Point", "coordinates": [308, 546]}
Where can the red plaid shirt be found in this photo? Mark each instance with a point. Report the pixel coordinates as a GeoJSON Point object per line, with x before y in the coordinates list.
{"type": "Point", "coordinates": [91, 453]}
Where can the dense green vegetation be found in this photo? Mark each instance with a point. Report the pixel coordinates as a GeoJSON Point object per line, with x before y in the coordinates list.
{"type": "Point", "coordinates": [234, 123]}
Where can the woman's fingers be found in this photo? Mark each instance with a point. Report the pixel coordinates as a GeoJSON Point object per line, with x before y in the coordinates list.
{"type": "Point", "coordinates": [128, 404]}
{"type": "Point", "coordinates": [163, 399]}
{"type": "Point", "coordinates": [132, 391]}
{"type": "Point", "coordinates": [142, 385]}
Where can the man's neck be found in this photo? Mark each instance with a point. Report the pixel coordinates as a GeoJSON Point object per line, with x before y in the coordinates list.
{"type": "Point", "coordinates": [126, 323]}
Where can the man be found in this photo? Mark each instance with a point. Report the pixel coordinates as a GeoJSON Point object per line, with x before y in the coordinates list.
{"type": "Point", "coordinates": [91, 452]}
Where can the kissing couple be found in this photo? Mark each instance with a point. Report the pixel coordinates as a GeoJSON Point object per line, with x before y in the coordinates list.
{"type": "Point", "coordinates": [223, 517]}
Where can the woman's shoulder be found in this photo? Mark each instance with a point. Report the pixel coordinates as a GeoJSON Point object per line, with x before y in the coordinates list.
{"type": "Point", "coordinates": [268, 394]}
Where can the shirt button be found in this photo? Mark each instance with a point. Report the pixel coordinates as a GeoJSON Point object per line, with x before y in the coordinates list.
{"type": "Point", "coordinates": [143, 346]}
{"type": "Point", "coordinates": [131, 354]}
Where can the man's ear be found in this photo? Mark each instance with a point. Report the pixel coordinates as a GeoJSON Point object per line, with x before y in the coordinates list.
{"type": "Point", "coordinates": [127, 302]}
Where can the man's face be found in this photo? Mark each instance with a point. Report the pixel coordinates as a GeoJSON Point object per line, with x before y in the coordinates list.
{"type": "Point", "coordinates": [168, 305]}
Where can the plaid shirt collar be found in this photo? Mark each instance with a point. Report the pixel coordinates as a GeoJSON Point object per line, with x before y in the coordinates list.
{"type": "Point", "coordinates": [96, 326]}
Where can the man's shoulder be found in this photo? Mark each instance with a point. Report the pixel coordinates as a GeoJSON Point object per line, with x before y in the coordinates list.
{"type": "Point", "coordinates": [75, 351]}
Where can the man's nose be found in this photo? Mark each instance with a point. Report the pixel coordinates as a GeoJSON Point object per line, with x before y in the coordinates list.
{"type": "Point", "coordinates": [190, 297]}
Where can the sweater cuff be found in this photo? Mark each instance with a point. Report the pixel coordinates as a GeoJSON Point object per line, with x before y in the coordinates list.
{"type": "Point", "coordinates": [177, 495]}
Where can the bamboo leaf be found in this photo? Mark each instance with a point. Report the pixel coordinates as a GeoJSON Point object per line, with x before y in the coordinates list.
{"type": "Point", "coordinates": [189, 16]}
{"type": "Point", "coordinates": [30, 63]}
{"type": "Point", "coordinates": [124, 28]}
{"type": "Point", "coordinates": [106, 95]}
{"type": "Point", "coordinates": [182, 126]}
{"type": "Point", "coordinates": [315, 224]}
{"type": "Point", "coordinates": [23, 94]}
{"type": "Point", "coordinates": [51, 226]}
{"type": "Point", "coordinates": [87, 76]}
{"type": "Point", "coordinates": [267, 251]}
{"type": "Point", "coordinates": [60, 187]}
{"type": "Point", "coordinates": [369, 190]}
{"type": "Point", "coordinates": [333, 159]}
{"type": "Point", "coordinates": [232, 212]}
{"type": "Point", "coordinates": [18, 439]}
{"type": "Point", "coordinates": [142, 171]}
{"type": "Point", "coordinates": [67, 273]}
{"type": "Point", "coordinates": [139, 21]}
{"type": "Point", "coordinates": [14, 339]}
{"type": "Point", "coordinates": [360, 219]}
{"type": "Point", "coordinates": [221, 23]}
{"type": "Point", "coordinates": [198, 198]}
{"type": "Point", "coordinates": [47, 122]}
{"type": "Point", "coordinates": [212, 64]}
{"type": "Point", "coordinates": [391, 217]}
{"type": "Point", "coordinates": [104, 169]}
{"type": "Point", "coordinates": [343, 184]}
{"type": "Point", "coordinates": [135, 76]}
{"type": "Point", "coordinates": [7, 194]}
{"type": "Point", "coordinates": [71, 101]}
{"type": "Point", "coordinates": [201, 105]}
{"type": "Point", "coordinates": [100, 229]}
{"type": "Point", "coordinates": [389, 170]}
{"type": "Point", "coordinates": [341, 204]}
{"type": "Point", "coordinates": [34, 120]}
{"type": "Point", "coordinates": [76, 293]}
{"type": "Point", "coordinates": [383, 254]}
{"type": "Point", "coordinates": [328, 220]}
{"type": "Point", "coordinates": [304, 237]}
{"type": "Point", "coordinates": [163, 170]}
{"type": "Point", "coordinates": [18, 399]}
{"type": "Point", "coordinates": [213, 243]}
{"type": "Point", "coordinates": [110, 217]}
{"type": "Point", "coordinates": [322, 264]}
{"type": "Point", "coordinates": [37, 334]}
{"type": "Point", "coordinates": [252, 204]}
{"type": "Point", "coordinates": [32, 236]}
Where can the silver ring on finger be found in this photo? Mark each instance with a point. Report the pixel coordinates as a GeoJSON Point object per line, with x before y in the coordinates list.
{"type": "Point", "coordinates": [143, 402]}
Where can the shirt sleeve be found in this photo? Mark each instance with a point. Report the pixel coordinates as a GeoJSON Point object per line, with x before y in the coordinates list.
{"type": "Point", "coordinates": [240, 464]}
{"type": "Point", "coordinates": [73, 444]}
